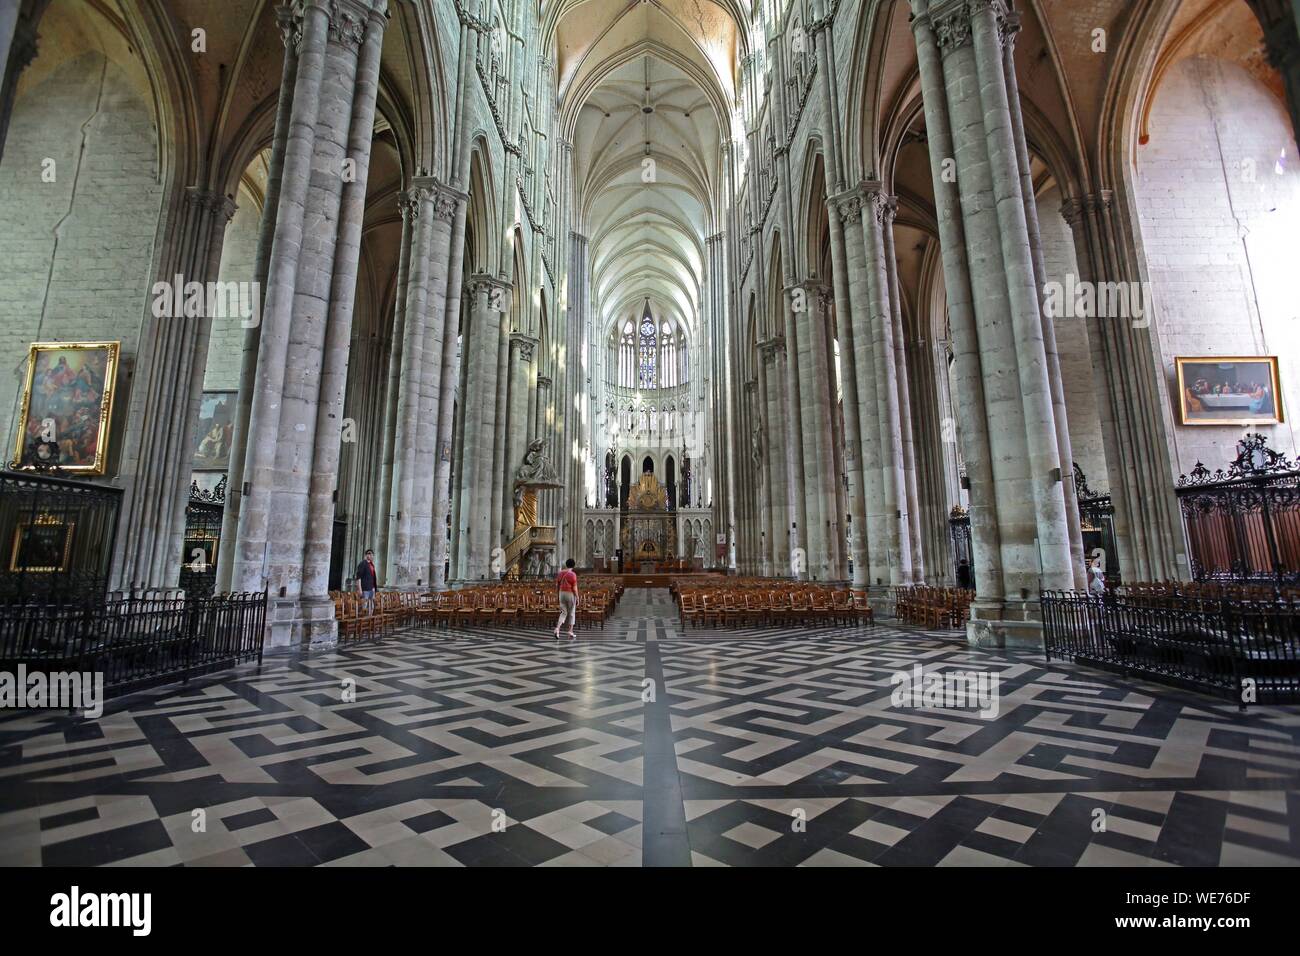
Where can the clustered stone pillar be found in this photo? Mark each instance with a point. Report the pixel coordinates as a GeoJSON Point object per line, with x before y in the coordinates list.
{"type": "Point", "coordinates": [288, 26]}
{"type": "Point", "coordinates": [816, 412]}
{"type": "Point", "coordinates": [422, 424]}
{"type": "Point", "coordinates": [1009, 428]}
{"type": "Point", "coordinates": [155, 467]}
{"type": "Point", "coordinates": [478, 534]}
{"type": "Point", "coordinates": [294, 421]}
{"type": "Point", "coordinates": [1130, 403]}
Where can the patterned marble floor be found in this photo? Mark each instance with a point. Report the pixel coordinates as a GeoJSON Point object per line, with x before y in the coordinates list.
{"type": "Point", "coordinates": [641, 745]}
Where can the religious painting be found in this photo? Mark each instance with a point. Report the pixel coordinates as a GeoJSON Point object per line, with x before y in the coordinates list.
{"type": "Point", "coordinates": [67, 405]}
{"type": "Point", "coordinates": [1229, 391]}
{"type": "Point", "coordinates": [42, 547]}
{"type": "Point", "coordinates": [215, 431]}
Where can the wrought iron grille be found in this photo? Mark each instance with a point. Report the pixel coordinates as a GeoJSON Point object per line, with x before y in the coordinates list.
{"type": "Point", "coordinates": [1097, 523]}
{"type": "Point", "coordinates": [203, 516]}
{"type": "Point", "coordinates": [134, 642]}
{"type": "Point", "coordinates": [1243, 524]}
{"type": "Point", "coordinates": [1246, 650]}
{"type": "Point", "coordinates": [56, 537]}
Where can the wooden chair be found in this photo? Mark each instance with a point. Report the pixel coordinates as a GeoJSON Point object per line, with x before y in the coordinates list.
{"type": "Point", "coordinates": [842, 606]}
{"type": "Point", "coordinates": [862, 608]}
{"type": "Point", "coordinates": [689, 609]}
{"type": "Point", "coordinates": [445, 608]}
{"type": "Point", "coordinates": [710, 608]}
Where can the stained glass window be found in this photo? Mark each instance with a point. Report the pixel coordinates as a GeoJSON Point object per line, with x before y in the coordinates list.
{"type": "Point", "coordinates": [649, 346]}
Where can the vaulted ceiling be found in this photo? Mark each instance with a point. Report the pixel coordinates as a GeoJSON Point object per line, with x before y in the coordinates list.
{"type": "Point", "coordinates": [647, 90]}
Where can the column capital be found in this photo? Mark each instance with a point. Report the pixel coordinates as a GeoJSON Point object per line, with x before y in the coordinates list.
{"type": "Point", "coordinates": [444, 199]}
{"type": "Point", "coordinates": [848, 204]}
{"type": "Point", "coordinates": [212, 202]}
{"type": "Point", "coordinates": [544, 381]}
{"type": "Point", "coordinates": [525, 343]}
{"type": "Point", "coordinates": [348, 19]}
{"type": "Point", "coordinates": [772, 348]}
{"type": "Point", "coordinates": [1072, 211]}
{"type": "Point", "coordinates": [496, 290]}
{"type": "Point", "coordinates": [951, 21]}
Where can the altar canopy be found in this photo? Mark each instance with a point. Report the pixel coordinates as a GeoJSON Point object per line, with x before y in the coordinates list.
{"type": "Point", "coordinates": [649, 529]}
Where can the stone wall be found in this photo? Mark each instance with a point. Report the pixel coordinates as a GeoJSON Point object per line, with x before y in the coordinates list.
{"type": "Point", "coordinates": [1219, 196]}
{"type": "Point", "coordinates": [76, 253]}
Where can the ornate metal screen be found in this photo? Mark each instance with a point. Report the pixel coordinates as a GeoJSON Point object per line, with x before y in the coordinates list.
{"type": "Point", "coordinates": [1097, 522]}
{"type": "Point", "coordinates": [56, 538]}
{"type": "Point", "coordinates": [203, 517]}
{"type": "Point", "coordinates": [1244, 523]}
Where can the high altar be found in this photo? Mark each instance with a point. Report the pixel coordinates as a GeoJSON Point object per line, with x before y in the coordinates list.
{"type": "Point", "coordinates": [649, 533]}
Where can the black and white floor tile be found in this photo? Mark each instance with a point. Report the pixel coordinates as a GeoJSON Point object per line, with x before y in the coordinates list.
{"type": "Point", "coordinates": [639, 744]}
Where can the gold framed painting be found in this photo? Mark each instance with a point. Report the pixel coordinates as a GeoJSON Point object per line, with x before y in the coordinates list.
{"type": "Point", "coordinates": [1229, 390]}
{"type": "Point", "coordinates": [68, 405]}
{"type": "Point", "coordinates": [43, 547]}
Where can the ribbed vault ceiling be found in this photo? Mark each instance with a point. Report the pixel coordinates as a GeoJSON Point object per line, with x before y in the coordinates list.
{"type": "Point", "coordinates": [647, 92]}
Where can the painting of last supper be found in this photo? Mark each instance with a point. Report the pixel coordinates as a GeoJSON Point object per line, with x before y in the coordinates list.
{"type": "Point", "coordinates": [1226, 391]}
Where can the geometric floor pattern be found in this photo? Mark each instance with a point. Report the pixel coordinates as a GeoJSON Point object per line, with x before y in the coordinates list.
{"type": "Point", "coordinates": [640, 745]}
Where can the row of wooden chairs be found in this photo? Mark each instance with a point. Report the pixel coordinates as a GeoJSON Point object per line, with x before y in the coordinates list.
{"type": "Point", "coordinates": [933, 607]}
{"type": "Point", "coordinates": [752, 606]}
{"type": "Point", "coordinates": [1209, 590]}
{"type": "Point", "coordinates": [386, 611]}
{"type": "Point", "coordinates": [517, 606]}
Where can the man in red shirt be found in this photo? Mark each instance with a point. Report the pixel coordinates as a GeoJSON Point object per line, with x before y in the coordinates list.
{"type": "Point", "coordinates": [567, 582]}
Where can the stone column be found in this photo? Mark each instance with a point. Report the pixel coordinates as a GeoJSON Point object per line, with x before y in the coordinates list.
{"type": "Point", "coordinates": [896, 521]}
{"type": "Point", "coordinates": [289, 26]}
{"type": "Point", "coordinates": [386, 504]}
{"type": "Point", "coordinates": [497, 427]}
{"type": "Point", "coordinates": [515, 423]}
{"type": "Point", "coordinates": [1009, 27]}
{"type": "Point", "coordinates": [404, 555]}
{"type": "Point", "coordinates": [333, 94]}
{"type": "Point", "coordinates": [880, 512]}
{"type": "Point", "coordinates": [315, 603]}
{"type": "Point", "coordinates": [155, 467]}
{"type": "Point", "coordinates": [844, 215]}
{"type": "Point", "coordinates": [908, 444]}
{"type": "Point", "coordinates": [817, 394]}
{"type": "Point", "coordinates": [443, 209]}
{"type": "Point", "coordinates": [486, 334]}
{"type": "Point", "coordinates": [985, 531]}
{"type": "Point", "coordinates": [1132, 405]}
{"type": "Point", "coordinates": [448, 384]}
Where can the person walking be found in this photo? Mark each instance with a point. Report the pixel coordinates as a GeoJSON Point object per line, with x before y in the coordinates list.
{"type": "Point", "coordinates": [567, 582]}
{"type": "Point", "coordinates": [368, 580]}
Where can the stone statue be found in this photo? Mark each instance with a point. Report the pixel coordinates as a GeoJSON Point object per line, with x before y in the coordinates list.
{"type": "Point", "coordinates": [534, 564]}
{"type": "Point", "coordinates": [537, 468]}
{"type": "Point", "coordinates": [536, 472]}
{"type": "Point", "coordinates": [756, 446]}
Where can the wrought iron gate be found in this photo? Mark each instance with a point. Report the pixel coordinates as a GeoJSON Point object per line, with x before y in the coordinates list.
{"type": "Point", "coordinates": [203, 517]}
{"type": "Point", "coordinates": [1243, 524]}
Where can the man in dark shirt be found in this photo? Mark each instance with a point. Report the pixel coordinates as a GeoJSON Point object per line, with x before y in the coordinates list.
{"type": "Point", "coordinates": [368, 579]}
